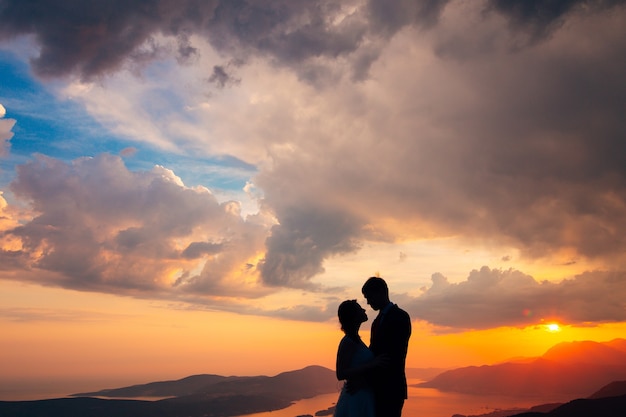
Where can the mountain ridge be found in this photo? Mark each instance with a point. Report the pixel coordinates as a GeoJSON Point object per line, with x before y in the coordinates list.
{"type": "Point", "coordinates": [198, 396]}
{"type": "Point", "coordinates": [303, 383]}
{"type": "Point", "coordinates": [587, 351]}
{"type": "Point", "coordinates": [209, 395]}
{"type": "Point", "coordinates": [170, 388]}
{"type": "Point", "coordinates": [608, 401]}
{"type": "Point", "coordinates": [569, 368]}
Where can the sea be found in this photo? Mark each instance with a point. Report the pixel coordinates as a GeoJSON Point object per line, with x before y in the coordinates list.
{"type": "Point", "coordinates": [422, 402]}
{"type": "Point", "coordinates": [425, 402]}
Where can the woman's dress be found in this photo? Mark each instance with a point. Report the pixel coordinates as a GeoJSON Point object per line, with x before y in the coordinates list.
{"type": "Point", "coordinates": [361, 402]}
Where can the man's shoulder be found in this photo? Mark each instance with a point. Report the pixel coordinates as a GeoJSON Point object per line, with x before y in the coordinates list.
{"type": "Point", "coordinates": [399, 317]}
{"type": "Point", "coordinates": [397, 311]}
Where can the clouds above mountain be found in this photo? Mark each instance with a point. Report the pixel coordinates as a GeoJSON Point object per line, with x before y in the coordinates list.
{"type": "Point", "coordinates": [496, 123]}
{"type": "Point", "coordinates": [94, 225]}
{"type": "Point", "coordinates": [494, 298]}
{"type": "Point", "coordinates": [520, 150]}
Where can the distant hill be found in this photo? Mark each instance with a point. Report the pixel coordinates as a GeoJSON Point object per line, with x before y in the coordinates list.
{"type": "Point", "coordinates": [304, 383]}
{"type": "Point", "coordinates": [614, 389]}
{"type": "Point", "coordinates": [619, 344]}
{"type": "Point", "coordinates": [184, 386]}
{"type": "Point", "coordinates": [599, 407]}
{"type": "Point", "coordinates": [194, 396]}
{"type": "Point", "coordinates": [424, 373]}
{"type": "Point", "coordinates": [614, 405]}
{"type": "Point", "coordinates": [95, 407]}
{"type": "Point", "coordinates": [587, 352]}
{"type": "Point", "coordinates": [574, 368]}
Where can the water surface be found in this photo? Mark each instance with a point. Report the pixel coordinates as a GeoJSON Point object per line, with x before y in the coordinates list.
{"type": "Point", "coordinates": [425, 402]}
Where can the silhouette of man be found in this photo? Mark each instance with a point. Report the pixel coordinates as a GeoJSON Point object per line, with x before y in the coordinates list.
{"type": "Point", "coordinates": [390, 335]}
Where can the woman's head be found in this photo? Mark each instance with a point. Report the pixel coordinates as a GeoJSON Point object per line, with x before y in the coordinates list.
{"type": "Point", "coordinates": [351, 315]}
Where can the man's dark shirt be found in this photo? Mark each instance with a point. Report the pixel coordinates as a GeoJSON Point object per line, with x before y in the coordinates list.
{"type": "Point", "coordinates": [390, 336]}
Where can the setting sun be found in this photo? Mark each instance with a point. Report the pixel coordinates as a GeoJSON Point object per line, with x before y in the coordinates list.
{"type": "Point", "coordinates": [553, 327]}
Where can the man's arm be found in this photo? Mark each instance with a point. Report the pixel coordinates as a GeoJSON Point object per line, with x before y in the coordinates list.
{"type": "Point", "coordinates": [399, 332]}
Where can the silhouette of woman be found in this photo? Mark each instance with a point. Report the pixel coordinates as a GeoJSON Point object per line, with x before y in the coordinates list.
{"type": "Point", "coordinates": [354, 363]}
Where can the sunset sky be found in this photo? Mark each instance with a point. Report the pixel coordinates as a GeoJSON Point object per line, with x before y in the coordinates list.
{"type": "Point", "coordinates": [193, 186]}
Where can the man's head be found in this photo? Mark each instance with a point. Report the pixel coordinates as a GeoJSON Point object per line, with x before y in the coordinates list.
{"type": "Point", "coordinates": [376, 292]}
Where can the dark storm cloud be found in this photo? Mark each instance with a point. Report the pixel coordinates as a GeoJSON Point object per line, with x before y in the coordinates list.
{"type": "Point", "coordinates": [221, 77]}
{"type": "Point", "coordinates": [92, 38]}
{"type": "Point", "coordinates": [298, 246]}
{"type": "Point", "coordinates": [389, 16]}
{"type": "Point", "coordinates": [494, 298]}
{"type": "Point", "coordinates": [540, 17]}
{"type": "Point", "coordinates": [524, 150]}
{"type": "Point", "coordinates": [553, 153]}
{"type": "Point", "coordinates": [289, 30]}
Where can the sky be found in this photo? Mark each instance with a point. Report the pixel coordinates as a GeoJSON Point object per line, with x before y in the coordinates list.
{"type": "Point", "coordinates": [193, 186]}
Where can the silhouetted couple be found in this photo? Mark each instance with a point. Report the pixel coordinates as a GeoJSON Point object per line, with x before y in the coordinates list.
{"type": "Point", "coordinates": [375, 377]}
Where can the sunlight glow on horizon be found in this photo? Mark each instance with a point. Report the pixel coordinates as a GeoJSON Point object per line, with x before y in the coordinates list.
{"type": "Point", "coordinates": [553, 327]}
{"type": "Point", "coordinates": [53, 333]}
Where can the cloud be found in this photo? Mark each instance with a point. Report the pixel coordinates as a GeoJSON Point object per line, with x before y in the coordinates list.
{"type": "Point", "coordinates": [304, 312]}
{"type": "Point", "coordinates": [521, 151]}
{"type": "Point", "coordinates": [497, 123]}
{"type": "Point", "coordinates": [540, 18]}
{"type": "Point", "coordinates": [5, 131]}
{"type": "Point", "coordinates": [221, 78]}
{"type": "Point", "coordinates": [100, 227]}
{"type": "Point", "coordinates": [128, 152]}
{"type": "Point", "coordinates": [391, 16]}
{"type": "Point", "coordinates": [297, 311]}
{"type": "Point", "coordinates": [27, 315]}
{"type": "Point", "coordinates": [305, 237]}
{"type": "Point", "coordinates": [96, 226]}
{"type": "Point", "coordinates": [491, 298]}
{"type": "Point", "coordinates": [8, 220]}
{"type": "Point", "coordinates": [197, 249]}
{"type": "Point", "coordinates": [102, 37]}
{"type": "Point", "coordinates": [93, 40]}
